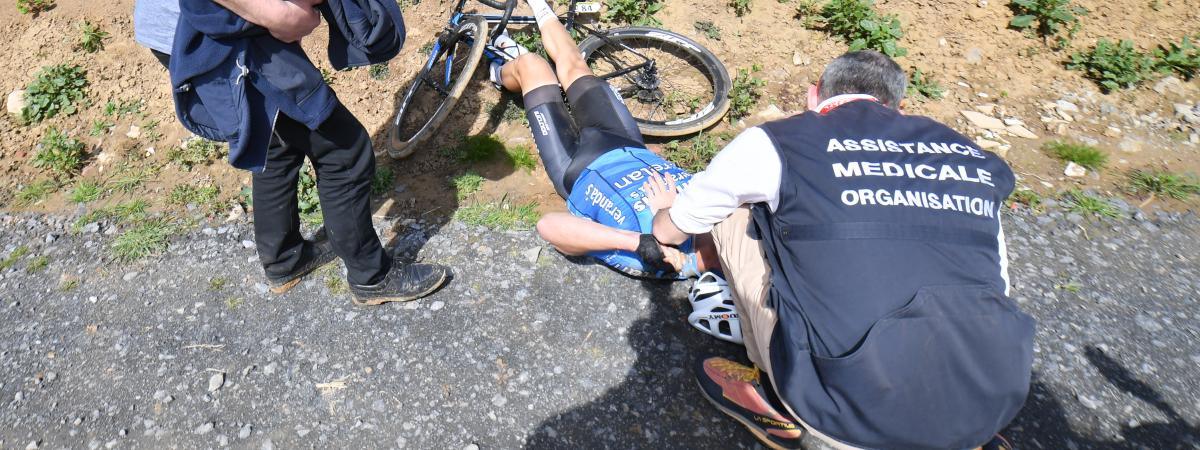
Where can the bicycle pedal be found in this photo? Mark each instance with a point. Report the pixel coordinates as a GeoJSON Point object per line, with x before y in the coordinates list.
{"type": "Point", "coordinates": [587, 7]}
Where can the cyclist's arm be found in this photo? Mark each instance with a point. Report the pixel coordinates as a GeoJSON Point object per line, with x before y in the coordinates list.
{"type": "Point", "coordinates": [578, 236]}
{"type": "Point", "coordinates": [287, 20]}
{"type": "Point", "coordinates": [748, 170]}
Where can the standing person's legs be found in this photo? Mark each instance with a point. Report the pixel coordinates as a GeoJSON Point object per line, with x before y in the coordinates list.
{"type": "Point", "coordinates": [342, 156]}
{"type": "Point", "coordinates": [276, 215]}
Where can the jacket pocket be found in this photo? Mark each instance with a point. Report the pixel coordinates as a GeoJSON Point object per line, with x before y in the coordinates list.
{"type": "Point", "coordinates": [947, 370]}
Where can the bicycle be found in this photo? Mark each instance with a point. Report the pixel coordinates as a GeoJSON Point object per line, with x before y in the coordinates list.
{"type": "Point", "coordinates": [683, 96]}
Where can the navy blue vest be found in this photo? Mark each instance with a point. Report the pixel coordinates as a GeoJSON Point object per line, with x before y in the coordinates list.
{"type": "Point", "coordinates": [894, 329]}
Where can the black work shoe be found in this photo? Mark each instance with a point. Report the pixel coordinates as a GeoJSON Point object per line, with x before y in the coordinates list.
{"type": "Point", "coordinates": [404, 282]}
{"type": "Point", "coordinates": [313, 255]}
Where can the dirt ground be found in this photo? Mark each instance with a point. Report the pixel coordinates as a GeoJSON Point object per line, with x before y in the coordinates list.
{"type": "Point", "coordinates": [964, 45]}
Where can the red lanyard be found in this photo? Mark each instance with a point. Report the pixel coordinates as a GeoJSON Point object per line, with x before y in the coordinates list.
{"type": "Point", "coordinates": [842, 100]}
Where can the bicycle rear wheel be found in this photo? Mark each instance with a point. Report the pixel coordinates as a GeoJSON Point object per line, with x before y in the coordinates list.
{"type": "Point", "coordinates": [438, 86]}
{"type": "Point", "coordinates": [684, 91]}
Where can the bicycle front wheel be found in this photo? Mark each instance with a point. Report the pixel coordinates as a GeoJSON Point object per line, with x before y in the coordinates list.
{"type": "Point", "coordinates": [438, 86]}
{"type": "Point", "coordinates": [671, 85]}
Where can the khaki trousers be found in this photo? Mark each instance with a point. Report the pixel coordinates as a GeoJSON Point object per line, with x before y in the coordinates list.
{"type": "Point", "coordinates": [749, 278]}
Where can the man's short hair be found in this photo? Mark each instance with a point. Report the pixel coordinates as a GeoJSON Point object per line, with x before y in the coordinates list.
{"type": "Point", "coordinates": [864, 72]}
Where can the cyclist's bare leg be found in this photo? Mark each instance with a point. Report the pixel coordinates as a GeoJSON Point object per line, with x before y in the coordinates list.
{"type": "Point", "coordinates": [526, 73]}
{"type": "Point", "coordinates": [562, 49]}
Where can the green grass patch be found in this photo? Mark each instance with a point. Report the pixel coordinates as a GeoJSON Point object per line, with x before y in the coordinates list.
{"type": "Point", "coordinates": [86, 191]}
{"type": "Point", "coordinates": [101, 127]}
{"type": "Point", "coordinates": [123, 108]}
{"type": "Point", "coordinates": [1163, 184]}
{"type": "Point", "coordinates": [68, 285]}
{"type": "Point", "coordinates": [862, 27]}
{"type": "Point", "coordinates": [92, 38]}
{"type": "Point", "coordinates": [145, 239]}
{"type": "Point", "coordinates": [1082, 154]}
{"type": "Point", "coordinates": [309, 199]}
{"type": "Point", "coordinates": [234, 302]}
{"type": "Point", "coordinates": [634, 12]}
{"type": "Point", "coordinates": [217, 283]}
{"type": "Point", "coordinates": [196, 152]}
{"type": "Point", "coordinates": [128, 179]}
{"type": "Point", "coordinates": [479, 148]}
{"type": "Point", "coordinates": [60, 154]}
{"type": "Point", "coordinates": [513, 112]}
{"type": "Point", "coordinates": [203, 196]}
{"type": "Point", "coordinates": [1069, 286]}
{"type": "Point", "coordinates": [501, 215]}
{"type": "Point", "coordinates": [1027, 198]}
{"type": "Point", "coordinates": [466, 184]}
{"type": "Point", "coordinates": [56, 90]}
{"type": "Point", "coordinates": [523, 158]}
{"type": "Point", "coordinates": [35, 192]}
{"type": "Point", "coordinates": [921, 86]}
{"type": "Point", "coordinates": [695, 154]}
{"type": "Point", "coordinates": [13, 257]}
{"type": "Point", "coordinates": [1048, 18]}
{"type": "Point", "coordinates": [379, 71]}
{"type": "Point", "coordinates": [334, 281]}
{"type": "Point", "coordinates": [1085, 203]}
{"type": "Point", "coordinates": [383, 180]}
{"type": "Point", "coordinates": [1114, 66]}
{"type": "Point", "coordinates": [124, 212]}
{"type": "Point", "coordinates": [708, 29]}
{"type": "Point", "coordinates": [744, 94]}
{"type": "Point", "coordinates": [38, 264]}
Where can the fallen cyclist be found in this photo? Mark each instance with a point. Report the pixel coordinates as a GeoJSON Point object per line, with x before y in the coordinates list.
{"type": "Point", "coordinates": [597, 161]}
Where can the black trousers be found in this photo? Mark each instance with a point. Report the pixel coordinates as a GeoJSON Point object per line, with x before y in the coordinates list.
{"type": "Point", "coordinates": [340, 151]}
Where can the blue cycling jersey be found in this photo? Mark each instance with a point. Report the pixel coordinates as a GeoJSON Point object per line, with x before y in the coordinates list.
{"type": "Point", "coordinates": [609, 192]}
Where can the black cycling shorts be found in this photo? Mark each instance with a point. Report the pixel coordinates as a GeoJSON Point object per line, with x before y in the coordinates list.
{"type": "Point", "coordinates": [569, 139]}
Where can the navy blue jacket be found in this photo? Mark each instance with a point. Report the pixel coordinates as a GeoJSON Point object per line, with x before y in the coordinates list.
{"type": "Point", "coordinates": [231, 77]}
{"type": "Point", "coordinates": [894, 330]}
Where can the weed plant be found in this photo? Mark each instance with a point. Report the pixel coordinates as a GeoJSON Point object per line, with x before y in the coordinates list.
{"type": "Point", "coordinates": [35, 192]}
{"type": "Point", "coordinates": [1163, 184]}
{"type": "Point", "coordinates": [145, 239]}
{"type": "Point", "coordinates": [308, 199]}
{"type": "Point", "coordinates": [1183, 59]}
{"type": "Point", "coordinates": [186, 194]}
{"type": "Point", "coordinates": [60, 154]}
{"type": "Point", "coordinates": [740, 7]}
{"type": "Point", "coordinates": [695, 155]}
{"type": "Point", "coordinates": [86, 191]}
{"type": "Point", "coordinates": [13, 257]}
{"type": "Point", "coordinates": [1082, 154]}
{"type": "Point", "coordinates": [379, 71]}
{"type": "Point", "coordinates": [93, 37]}
{"type": "Point", "coordinates": [38, 264]}
{"type": "Point", "coordinates": [708, 29]}
{"type": "Point", "coordinates": [1114, 66]}
{"type": "Point", "coordinates": [500, 215]}
{"type": "Point", "coordinates": [634, 12]}
{"type": "Point", "coordinates": [466, 184]}
{"type": "Point", "coordinates": [1048, 18]}
{"type": "Point", "coordinates": [523, 158]}
{"type": "Point", "coordinates": [56, 89]}
{"type": "Point", "coordinates": [1026, 197]}
{"type": "Point", "coordinates": [862, 27]}
{"type": "Point", "coordinates": [383, 180]}
{"type": "Point", "coordinates": [196, 152]}
{"type": "Point", "coordinates": [744, 94]}
{"type": "Point", "coordinates": [921, 85]}
{"type": "Point", "coordinates": [1085, 203]}
{"type": "Point", "coordinates": [34, 7]}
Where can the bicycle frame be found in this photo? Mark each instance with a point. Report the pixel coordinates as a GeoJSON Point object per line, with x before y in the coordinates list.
{"type": "Point", "coordinates": [569, 21]}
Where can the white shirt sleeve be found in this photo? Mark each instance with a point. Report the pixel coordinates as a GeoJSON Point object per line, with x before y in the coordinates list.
{"type": "Point", "coordinates": [748, 170]}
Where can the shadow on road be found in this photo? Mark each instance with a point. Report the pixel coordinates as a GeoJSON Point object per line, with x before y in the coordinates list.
{"type": "Point", "coordinates": [1044, 423]}
{"type": "Point", "coordinates": [658, 404]}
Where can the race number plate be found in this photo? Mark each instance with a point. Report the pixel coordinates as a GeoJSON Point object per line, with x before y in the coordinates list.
{"type": "Point", "coordinates": [587, 7]}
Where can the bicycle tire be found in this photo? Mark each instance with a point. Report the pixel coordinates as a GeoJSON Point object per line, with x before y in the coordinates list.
{"type": "Point", "coordinates": [507, 7]}
{"type": "Point", "coordinates": [701, 59]}
{"type": "Point", "coordinates": [402, 145]}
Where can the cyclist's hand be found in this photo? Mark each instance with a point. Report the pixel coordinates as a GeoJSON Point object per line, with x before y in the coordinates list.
{"type": "Point", "coordinates": [660, 192]}
{"type": "Point", "coordinates": [293, 20]}
{"type": "Point", "coordinates": [673, 256]}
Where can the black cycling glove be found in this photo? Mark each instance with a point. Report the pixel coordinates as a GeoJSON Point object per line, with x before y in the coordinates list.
{"type": "Point", "coordinates": [652, 256]}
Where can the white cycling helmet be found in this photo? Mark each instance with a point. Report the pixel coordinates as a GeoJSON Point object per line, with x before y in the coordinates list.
{"type": "Point", "coordinates": [712, 308]}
